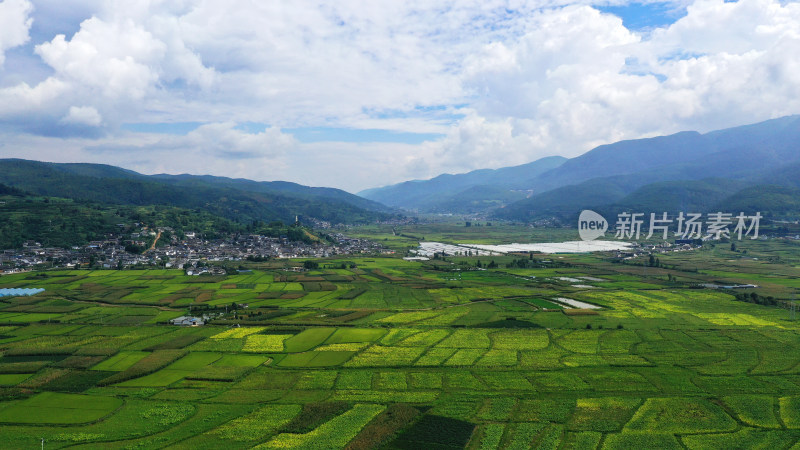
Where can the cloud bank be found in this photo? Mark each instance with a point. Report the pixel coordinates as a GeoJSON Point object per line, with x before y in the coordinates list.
{"type": "Point", "coordinates": [496, 83]}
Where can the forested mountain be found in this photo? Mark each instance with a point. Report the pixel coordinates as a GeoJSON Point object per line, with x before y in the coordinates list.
{"type": "Point", "coordinates": [273, 187]}
{"type": "Point", "coordinates": [686, 169]}
{"type": "Point", "coordinates": [61, 222]}
{"type": "Point", "coordinates": [757, 157]}
{"type": "Point", "coordinates": [241, 201]}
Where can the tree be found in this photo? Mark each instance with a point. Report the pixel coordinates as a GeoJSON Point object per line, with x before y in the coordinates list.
{"type": "Point", "coordinates": [652, 260]}
{"type": "Point", "coordinates": [310, 265]}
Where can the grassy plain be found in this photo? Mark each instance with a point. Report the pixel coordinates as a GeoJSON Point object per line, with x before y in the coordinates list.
{"type": "Point", "coordinates": [410, 354]}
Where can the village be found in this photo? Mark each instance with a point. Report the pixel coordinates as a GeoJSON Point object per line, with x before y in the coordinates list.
{"type": "Point", "coordinates": [192, 252]}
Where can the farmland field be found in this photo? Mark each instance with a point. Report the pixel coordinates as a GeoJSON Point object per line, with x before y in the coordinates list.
{"type": "Point", "coordinates": [408, 354]}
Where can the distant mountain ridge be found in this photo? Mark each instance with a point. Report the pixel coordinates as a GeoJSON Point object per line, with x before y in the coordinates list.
{"type": "Point", "coordinates": [240, 200]}
{"type": "Point", "coordinates": [461, 191]}
{"type": "Point", "coordinates": [628, 173]}
{"type": "Point", "coordinates": [753, 155]}
{"type": "Point", "coordinates": [274, 187]}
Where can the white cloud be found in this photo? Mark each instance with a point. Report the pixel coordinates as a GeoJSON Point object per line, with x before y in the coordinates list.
{"type": "Point", "coordinates": [83, 115]}
{"type": "Point", "coordinates": [476, 143]}
{"type": "Point", "coordinates": [218, 148]}
{"type": "Point", "coordinates": [114, 62]}
{"type": "Point", "coordinates": [716, 26]}
{"type": "Point", "coordinates": [120, 58]}
{"type": "Point", "coordinates": [113, 59]}
{"type": "Point", "coordinates": [15, 22]}
{"type": "Point", "coordinates": [24, 99]}
{"type": "Point", "coordinates": [577, 78]}
{"type": "Point", "coordinates": [509, 81]}
{"type": "Point", "coordinates": [221, 140]}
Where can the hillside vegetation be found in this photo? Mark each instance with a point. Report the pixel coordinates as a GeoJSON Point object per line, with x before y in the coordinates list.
{"type": "Point", "coordinates": [60, 222]}
{"type": "Point", "coordinates": [240, 201]}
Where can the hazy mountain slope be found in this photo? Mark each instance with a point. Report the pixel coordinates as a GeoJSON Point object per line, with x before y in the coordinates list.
{"type": "Point", "coordinates": [688, 196]}
{"type": "Point", "coordinates": [785, 175]}
{"type": "Point", "coordinates": [765, 153]}
{"type": "Point", "coordinates": [425, 194]}
{"type": "Point", "coordinates": [607, 197]}
{"type": "Point", "coordinates": [476, 199]}
{"type": "Point", "coordinates": [738, 153]}
{"type": "Point", "coordinates": [686, 155]}
{"type": "Point", "coordinates": [566, 201]}
{"type": "Point", "coordinates": [627, 157]}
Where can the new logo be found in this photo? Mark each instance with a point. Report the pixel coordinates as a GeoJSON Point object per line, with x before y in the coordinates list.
{"type": "Point", "coordinates": [591, 225]}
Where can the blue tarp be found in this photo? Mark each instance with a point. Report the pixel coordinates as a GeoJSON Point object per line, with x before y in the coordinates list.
{"type": "Point", "coordinates": [19, 292]}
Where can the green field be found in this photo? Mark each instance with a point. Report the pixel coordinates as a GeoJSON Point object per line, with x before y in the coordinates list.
{"type": "Point", "coordinates": [411, 354]}
{"type": "Point", "coordinates": [58, 408]}
{"type": "Point", "coordinates": [120, 361]}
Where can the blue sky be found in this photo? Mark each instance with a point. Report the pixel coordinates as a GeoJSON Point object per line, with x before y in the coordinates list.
{"type": "Point", "coordinates": [356, 95]}
{"type": "Point", "coordinates": [303, 134]}
{"type": "Point", "coordinates": [646, 16]}
{"type": "Point", "coordinates": [306, 134]}
{"type": "Point", "coordinates": [329, 134]}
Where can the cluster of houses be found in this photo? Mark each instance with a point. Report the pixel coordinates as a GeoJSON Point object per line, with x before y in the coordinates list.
{"type": "Point", "coordinates": [636, 250]}
{"type": "Point", "coordinates": [191, 252]}
{"type": "Point", "coordinates": [100, 253]}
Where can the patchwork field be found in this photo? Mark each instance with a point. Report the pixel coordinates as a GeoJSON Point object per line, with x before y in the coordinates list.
{"type": "Point", "coordinates": [406, 354]}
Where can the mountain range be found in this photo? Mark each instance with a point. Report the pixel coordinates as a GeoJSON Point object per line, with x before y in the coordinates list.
{"type": "Point", "coordinates": [239, 200]}
{"type": "Point", "coordinates": [747, 168]}
{"type": "Point", "coordinates": [751, 167]}
{"type": "Point", "coordinates": [473, 191]}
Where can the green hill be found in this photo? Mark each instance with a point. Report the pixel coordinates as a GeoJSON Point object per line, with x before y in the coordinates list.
{"type": "Point", "coordinates": [273, 187]}
{"type": "Point", "coordinates": [240, 201]}
{"type": "Point", "coordinates": [770, 200]}
{"type": "Point", "coordinates": [60, 222]}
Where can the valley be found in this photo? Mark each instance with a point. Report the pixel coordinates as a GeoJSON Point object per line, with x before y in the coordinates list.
{"type": "Point", "coordinates": [552, 351]}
